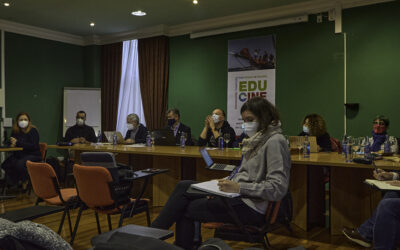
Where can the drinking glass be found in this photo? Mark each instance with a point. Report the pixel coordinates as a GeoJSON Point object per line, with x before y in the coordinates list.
{"type": "Point", "coordinates": [153, 136]}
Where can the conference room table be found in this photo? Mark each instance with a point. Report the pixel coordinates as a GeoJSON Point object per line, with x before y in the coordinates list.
{"type": "Point", "coordinates": [351, 201]}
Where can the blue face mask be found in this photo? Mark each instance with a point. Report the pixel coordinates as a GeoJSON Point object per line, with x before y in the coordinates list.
{"type": "Point", "coordinates": [306, 129]}
{"type": "Point", "coordinates": [171, 122]}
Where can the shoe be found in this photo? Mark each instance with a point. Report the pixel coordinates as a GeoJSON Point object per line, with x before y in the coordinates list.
{"type": "Point", "coordinates": [355, 236]}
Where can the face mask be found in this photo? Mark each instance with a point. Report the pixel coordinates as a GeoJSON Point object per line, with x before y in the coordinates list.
{"type": "Point", "coordinates": [171, 122]}
{"type": "Point", "coordinates": [23, 124]}
{"type": "Point", "coordinates": [80, 121]}
{"type": "Point", "coordinates": [130, 126]}
{"type": "Point", "coordinates": [215, 118]}
{"type": "Point", "coordinates": [306, 129]}
{"type": "Point", "coordinates": [250, 128]}
{"type": "Point", "coordinates": [379, 129]}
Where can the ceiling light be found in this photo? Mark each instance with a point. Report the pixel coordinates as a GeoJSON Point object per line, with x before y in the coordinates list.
{"type": "Point", "coordinates": [92, 24]}
{"type": "Point", "coordinates": [138, 13]}
{"type": "Point", "coordinates": [7, 4]}
{"type": "Point", "coordinates": [195, 2]}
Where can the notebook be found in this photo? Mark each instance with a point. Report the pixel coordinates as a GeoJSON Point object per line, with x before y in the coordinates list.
{"type": "Point", "coordinates": [212, 187]}
{"type": "Point", "coordinates": [215, 166]}
{"type": "Point", "coordinates": [382, 185]}
{"type": "Point", "coordinates": [295, 141]}
{"type": "Point", "coordinates": [109, 135]}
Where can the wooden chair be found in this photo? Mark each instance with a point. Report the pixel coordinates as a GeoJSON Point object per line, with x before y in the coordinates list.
{"type": "Point", "coordinates": [98, 191]}
{"type": "Point", "coordinates": [46, 187]}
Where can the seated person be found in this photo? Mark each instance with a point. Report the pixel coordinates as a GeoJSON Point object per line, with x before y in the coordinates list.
{"type": "Point", "coordinates": [80, 132]}
{"type": "Point", "coordinates": [379, 133]}
{"type": "Point", "coordinates": [263, 176]}
{"type": "Point", "coordinates": [25, 135]}
{"type": "Point", "coordinates": [137, 132]}
{"type": "Point", "coordinates": [177, 127]}
{"type": "Point", "coordinates": [215, 126]}
{"type": "Point", "coordinates": [364, 235]}
{"type": "Point", "coordinates": [314, 125]}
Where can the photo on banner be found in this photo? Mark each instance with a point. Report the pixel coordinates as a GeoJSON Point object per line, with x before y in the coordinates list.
{"type": "Point", "coordinates": [251, 72]}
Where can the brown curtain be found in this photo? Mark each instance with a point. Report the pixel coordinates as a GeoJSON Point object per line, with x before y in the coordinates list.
{"type": "Point", "coordinates": [111, 61]}
{"type": "Point", "coordinates": [153, 73]}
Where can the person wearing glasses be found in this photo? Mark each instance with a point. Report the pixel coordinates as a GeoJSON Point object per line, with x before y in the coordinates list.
{"type": "Point", "coordinates": [379, 134]}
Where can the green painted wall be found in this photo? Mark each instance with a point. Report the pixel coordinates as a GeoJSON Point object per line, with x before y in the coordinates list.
{"type": "Point", "coordinates": [37, 70]}
{"type": "Point", "coordinates": [310, 71]}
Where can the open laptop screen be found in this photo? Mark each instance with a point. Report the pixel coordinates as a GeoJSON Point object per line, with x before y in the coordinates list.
{"type": "Point", "coordinates": [206, 157]}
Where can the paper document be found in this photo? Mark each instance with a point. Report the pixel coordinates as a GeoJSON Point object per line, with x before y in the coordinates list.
{"type": "Point", "coordinates": [381, 185]}
{"type": "Point", "coordinates": [212, 187]}
{"type": "Point", "coordinates": [138, 145]}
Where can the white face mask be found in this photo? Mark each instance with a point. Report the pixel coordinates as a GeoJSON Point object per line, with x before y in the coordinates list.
{"type": "Point", "coordinates": [23, 124]}
{"type": "Point", "coordinates": [215, 118]}
{"type": "Point", "coordinates": [130, 126]}
{"type": "Point", "coordinates": [306, 129]}
{"type": "Point", "coordinates": [80, 121]}
{"type": "Point", "coordinates": [250, 128]}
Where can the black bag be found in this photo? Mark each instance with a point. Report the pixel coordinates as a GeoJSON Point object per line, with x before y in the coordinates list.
{"type": "Point", "coordinates": [55, 163]}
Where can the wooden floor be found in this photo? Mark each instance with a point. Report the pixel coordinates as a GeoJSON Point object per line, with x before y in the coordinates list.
{"type": "Point", "coordinates": [280, 239]}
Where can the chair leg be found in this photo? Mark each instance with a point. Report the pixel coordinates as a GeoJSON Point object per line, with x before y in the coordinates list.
{"type": "Point", "coordinates": [76, 224]}
{"type": "Point", "coordinates": [109, 222]}
{"type": "Point", "coordinates": [122, 216]}
{"type": "Point", "coordinates": [98, 222]}
{"type": "Point", "coordinates": [266, 241]}
{"type": "Point", "coordinates": [62, 221]}
{"type": "Point", "coordinates": [148, 215]}
{"type": "Point", "coordinates": [69, 222]}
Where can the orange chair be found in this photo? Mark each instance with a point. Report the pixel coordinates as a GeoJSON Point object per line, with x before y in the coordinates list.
{"type": "Point", "coordinates": [97, 191]}
{"type": "Point", "coordinates": [46, 187]}
{"type": "Point", "coordinates": [43, 150]}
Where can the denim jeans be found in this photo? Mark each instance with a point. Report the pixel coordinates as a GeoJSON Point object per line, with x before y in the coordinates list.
{"type": "Point", "coordinates": [185, 209]}
{"type": "Point", "coordinates": [387, 224]}
{"type": "Point", "coordinates": [366, 230]}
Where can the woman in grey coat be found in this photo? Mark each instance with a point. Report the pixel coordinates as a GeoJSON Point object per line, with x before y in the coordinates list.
{"type": "Point", "coordinates": [262, 176]}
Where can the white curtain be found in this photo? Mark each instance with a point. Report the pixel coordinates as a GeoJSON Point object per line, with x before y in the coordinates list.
{"type": "Point", "coordinates": [130, 98]}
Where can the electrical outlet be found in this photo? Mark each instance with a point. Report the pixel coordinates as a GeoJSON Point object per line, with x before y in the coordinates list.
{"type": "Point", "coordinates": [319, 18]}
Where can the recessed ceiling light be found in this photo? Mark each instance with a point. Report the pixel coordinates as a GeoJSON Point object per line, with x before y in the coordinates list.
{"type": "Point", "coordinates": [92, 24]}
{"type": "Point", "coordinates": [195, 2]}
{"type": "Point", "coordinates": [7, 4]}
{"type": "Point", "coordinates": [138, 13]}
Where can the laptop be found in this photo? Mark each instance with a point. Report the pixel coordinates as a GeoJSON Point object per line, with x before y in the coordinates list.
{"type": "Point", "coordinates": [109, 135]}
{"type": "Point", "coordinates": [298, 141]}
{"type": "Point", "coordinates": [164, 137]}
{"type": "Point", "coordinates": [215, 166]}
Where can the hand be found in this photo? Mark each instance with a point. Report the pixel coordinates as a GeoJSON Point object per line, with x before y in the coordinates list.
{"type": "Point", "coordinates": [13, 142]}
{"type": "Point", "coordinates": [382, 175]}
{"type": "Point", "coordinates": [206, 122]}
{"type": "Point", "coordinates": [75, 140]}
{"type": "Point", "coordinates": [129, 141]}
{"type": "Point", "coordinates": [211, 123]}
{"type": "Point", "coordinates": [83, 140]}
{"type": "Point", "coordinates": [394, 183]}
{"type": "Point", "coordinates": [228, 186]}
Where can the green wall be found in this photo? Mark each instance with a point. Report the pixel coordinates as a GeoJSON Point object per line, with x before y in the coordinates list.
{"type": "Point", "coordinates": [37, 70]}
{"type": "Point", "coordinates": [310, 71]}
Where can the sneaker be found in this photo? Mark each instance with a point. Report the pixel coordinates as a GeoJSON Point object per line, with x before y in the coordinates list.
{"type": "Point", "coordinates": [355, 236]}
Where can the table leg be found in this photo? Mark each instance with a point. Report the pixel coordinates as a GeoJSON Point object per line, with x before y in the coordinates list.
{"type": "Point", "coordinates": [298, 189]}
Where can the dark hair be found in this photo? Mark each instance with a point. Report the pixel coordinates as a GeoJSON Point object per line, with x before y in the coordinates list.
{"type": "Point", "coordinates": [16, 129]}
{"type": "Point", "coordinates": [317, 124]}
{"type": "Point", "coordinates": [175, 111]}
{"type": "Point", "coordinates": [81, 112]}
{"type": "Point", "coordinates": [382, 118]}
{"type": "Point", "coordinates": [265, 112]}
{"type": "Point", "coordinates": [223, 112]}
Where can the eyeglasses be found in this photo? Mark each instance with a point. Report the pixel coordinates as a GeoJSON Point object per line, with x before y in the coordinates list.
{"type": "Point", "coordinates": [379, 123]}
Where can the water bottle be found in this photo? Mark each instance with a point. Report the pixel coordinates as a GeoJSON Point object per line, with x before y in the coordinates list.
{"type": "Point", "coordinates": [183, 141]}
{"type": "Point", "coordinates": [367, 148]}
{"type": "Point", "coordinates": [99, 139]}
{"type": "Point", "coordinates": [220, 143]}
{"type": "Point", "coordinates": [386, 146]}
{"type": "Point", "coordinates": [306, 147]}
{"type": "Point", "coordinates": [148, 140]}
{"type": "Point", "coordinates": [115, 139]}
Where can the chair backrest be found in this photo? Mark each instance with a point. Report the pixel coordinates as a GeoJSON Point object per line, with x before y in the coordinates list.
{"type": "Point", "coordinates": [43, 150]}
{"type": "Point", "coordinates": [272, 211]}
{"type": "Point", "coordinates": [336, 147]}
{"type": "Point", "coordinates": [93, 185]}
{"type": "Point", "coordinates": [101, 159]}
{"type": "Point", "coordinates": [42, 177]}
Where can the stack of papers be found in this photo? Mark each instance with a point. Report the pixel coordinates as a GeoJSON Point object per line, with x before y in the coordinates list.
{"type": "Point", "coordinates": [381, 185]}
{"type": "Point", "coordinates": [212, 187]}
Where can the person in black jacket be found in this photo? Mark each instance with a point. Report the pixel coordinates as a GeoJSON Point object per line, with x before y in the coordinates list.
{"type": "Point", "coordinates": [177, 127]}
{"type": "Point", "coordinates": [137, 132]}
{"type": "Point", "coordinates": [24, 135]}
{"type": "Point", "coordinates": [80, 132]}
{"type": "Point", "coordinates": [215, 126]}
{"type": "Point", "coordinates": [314, 125]}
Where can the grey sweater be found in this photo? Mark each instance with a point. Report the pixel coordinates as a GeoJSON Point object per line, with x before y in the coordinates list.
{"type": "Point", "coordinates": [265, 175]}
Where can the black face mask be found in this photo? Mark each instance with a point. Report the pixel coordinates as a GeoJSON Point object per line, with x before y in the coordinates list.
{"type": "Point", "coordinates": [171, 122]}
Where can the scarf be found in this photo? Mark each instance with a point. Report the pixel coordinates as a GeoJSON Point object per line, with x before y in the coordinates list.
{"type": "Point", "coordinates": [252, 144]}
{"type": "Point", "coordinates": [378, 139]}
